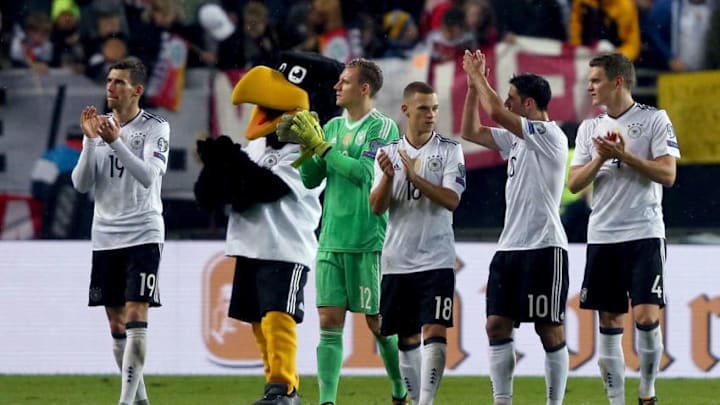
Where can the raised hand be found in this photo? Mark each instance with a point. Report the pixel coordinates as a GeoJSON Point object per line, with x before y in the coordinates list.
{"type": "Point", "coordinates": [88, 122]}
{"type": "Point", "coordinates": [108, 129]}
{"type": "Point", "coordinates": [475, 66]}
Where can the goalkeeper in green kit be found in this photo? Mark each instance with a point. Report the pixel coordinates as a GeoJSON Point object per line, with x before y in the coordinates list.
{"type": "Point", "coordinates": [351, 236]}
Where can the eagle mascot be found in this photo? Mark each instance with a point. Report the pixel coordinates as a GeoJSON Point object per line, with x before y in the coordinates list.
{"type": "Point", "coordinates": [271, 227]}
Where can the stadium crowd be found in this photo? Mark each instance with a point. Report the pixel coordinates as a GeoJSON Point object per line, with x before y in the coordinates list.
{"type": "Point", "coordinates": [87, 36]}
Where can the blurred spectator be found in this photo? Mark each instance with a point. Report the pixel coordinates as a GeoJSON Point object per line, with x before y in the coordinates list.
{"type": "Point", "coordinates": [113, 49]}
{"type": "Point", "coordinates": [374, 42]}
{"type": "Point", "coordinates": [222, 28]}
{"type": "Point", "coordinates": [67, 49]}
{"type": "Point", "coordinates": [480, 21]}
{"type": "Point", "coordinates": [31, 46]}
{"type": "Point", "coordinates": [451, 39]}
{"type": "Point", "coordinates": [260, 39]}
{"type": "Point", "coordinates": [66, 213]}
{"type": "Point", "coordinates": [532, 18]}
{"type": "Point", "coordinates": [615, 21]}
{"type": "Point", "coordinates": [293, 30]}
{"type": "Point", "coordinates": [432, 15]}
{"type": "Point", "coordinates": [100, 18]}
{"type": "Point", "coordinates": [690, 27]}
{"type": "Point", "coordinates": [677, 30]}
{"type": "Point", "coordinates": [107, 24]}
{"type": "Point", "coordinates": [401, 32]}
{"type": "Point", "coordinates": [333, 30]}
{"type": "Point", "coordinates": [565, 9]}
{"type": "Point", "coordinates": [157, 19]}
{"type": "Point", "coordinates": [713, 41]}
{"type": "Point", "coordinates": [413, 7]}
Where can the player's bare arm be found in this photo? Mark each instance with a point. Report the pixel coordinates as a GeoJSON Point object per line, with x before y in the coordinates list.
{"type": "Point", "coordinates": [580, 177]}
{"type": "Point", "coordinates": [382, 194]}
{"type": "Point", "coordinates": [489, 99]}
{"type": "Point", "coordinates": [442, 196]}
{"type": "Point", "coordinates": [471, 128]}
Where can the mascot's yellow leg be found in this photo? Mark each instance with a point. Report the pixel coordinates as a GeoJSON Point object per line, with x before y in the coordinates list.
{"type": "Point", "coordinates": [281, 335]}
{"type": "Point", "coordinates": [262, 346]}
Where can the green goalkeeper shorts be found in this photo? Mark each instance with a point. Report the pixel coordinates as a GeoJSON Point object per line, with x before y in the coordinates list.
{"type": "Point", "coordinates": [349, 280]}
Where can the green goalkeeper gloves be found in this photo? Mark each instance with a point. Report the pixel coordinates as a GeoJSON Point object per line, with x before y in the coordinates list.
{"type": "Point", "coordinates": [283, 130]}
{"type": "Point", "coordinates": [307, 128]}
{"type": "Point", "coordinates": [285, 134]}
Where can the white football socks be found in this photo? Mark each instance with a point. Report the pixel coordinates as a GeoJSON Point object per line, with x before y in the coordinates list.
{"type": "Point", "coordinates": [612, 364]}
{"type": "Point", "coordinates": [557, 362]}
{"type": "Point", "coordinates": [133, 360]}
{"type": "Point", "coordinates": [650, 349]}
{"type": "Point", "coordinates": [433, 367]}
{"type": "Point", "coordinates": [118, 352]}
{"type": "Point", "coordinates": [502, 366]}
{"type": "Point", "coordinates": [410, 368]}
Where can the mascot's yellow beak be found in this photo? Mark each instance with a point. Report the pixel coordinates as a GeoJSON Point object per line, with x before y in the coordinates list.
{"type": "Point", "coordinates": [272, 95]}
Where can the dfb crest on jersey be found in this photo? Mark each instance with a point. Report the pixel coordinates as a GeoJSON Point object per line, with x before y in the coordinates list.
{"type": "Point", "coordinates": [434, 163]}
{"type": "Point", "coordinates": [137, 140]}
{"type": "Point", "coordinates": [635, 130]}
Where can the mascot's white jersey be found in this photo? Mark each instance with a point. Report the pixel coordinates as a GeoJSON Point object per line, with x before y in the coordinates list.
{"type": "Point", "coordinates": [626, 205]}
{"type": "Point", "coordinates": [127, 178]}
{"type": "Point", "coordinates": [285, 229]}
{"type": "Point", "coordinates": [535, 182]}
{"type": "Point", "coordinates": [419, 233]}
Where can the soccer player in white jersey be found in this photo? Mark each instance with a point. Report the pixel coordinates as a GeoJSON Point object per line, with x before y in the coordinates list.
{"type": "Point", "coordinates": [419, 179]}
{"type": "Point", "coordinates": [123, 160]}
{"type": "Point", "coordinates": [528, 279]}
{"type": "Point", "coordinates": [628, 153]}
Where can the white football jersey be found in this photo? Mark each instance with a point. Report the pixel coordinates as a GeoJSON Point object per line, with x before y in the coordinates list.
{"type": "Point", "coordinates": [534, 186]}
{"type": "Point", "coordinates": [627, 205]}
{"type": "Point", "coordinates": [419, 233]}
{"type": "Point", "coordinates": [283, 230]}
{"type": "Point", "coordinates": [126, 212]}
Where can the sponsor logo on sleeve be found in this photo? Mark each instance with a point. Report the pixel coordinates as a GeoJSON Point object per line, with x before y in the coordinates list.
{"type": "Point", "coordinates": [163, 145]}
{"type": "Point", "coordinates": [460, 179]}
{"type": "Point", "coordinates": [372, 149]}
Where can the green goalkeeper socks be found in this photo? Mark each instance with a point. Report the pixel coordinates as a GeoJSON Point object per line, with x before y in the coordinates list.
{"type": "Point", "coordinates": [329, 358]}
{"type": "Point", "coordinates": [391, 358]}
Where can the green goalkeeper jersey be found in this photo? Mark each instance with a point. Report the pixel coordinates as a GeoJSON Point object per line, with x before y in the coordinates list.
{"type": "Point", "coordinates": [348, 224]}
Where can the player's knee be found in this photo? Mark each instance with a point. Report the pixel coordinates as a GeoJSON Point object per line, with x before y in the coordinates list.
{"type": "Point", "coordinates": [550, 335]}
{"type": "Point", "coordinates": [498, 328]}
{"type": "Point", "coordinates": [331, 317]}
{"type": "Point", "coordinates": [646, 314]}
{"type": "Point", "coordinates": [373, 323]}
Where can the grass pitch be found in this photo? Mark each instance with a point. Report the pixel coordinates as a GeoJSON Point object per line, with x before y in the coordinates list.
{"type": "Point", "coordinates": [225, 390]}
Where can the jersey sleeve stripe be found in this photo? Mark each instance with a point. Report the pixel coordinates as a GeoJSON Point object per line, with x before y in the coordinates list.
{"type": "Point", "coordinates": [148, 115]}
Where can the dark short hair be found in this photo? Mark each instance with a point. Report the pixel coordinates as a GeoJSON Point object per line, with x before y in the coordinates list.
{"type": "Point", "coordinates": [138, 73]}
{"type": "Point", "coordinates": [533, 86]}
{"type": "Point", "coordinates": [417, 87]}
{"type": "Point", "coordinates": [368, 72]}
{"type": "Point", "coordinates": [616, 64]}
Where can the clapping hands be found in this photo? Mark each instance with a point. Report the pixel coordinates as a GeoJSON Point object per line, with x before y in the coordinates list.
{"type": "Point", "coordinates": [94, 125]}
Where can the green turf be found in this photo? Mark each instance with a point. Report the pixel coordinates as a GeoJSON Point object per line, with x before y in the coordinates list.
{"type": "Point", "coordinates": [216, 390]}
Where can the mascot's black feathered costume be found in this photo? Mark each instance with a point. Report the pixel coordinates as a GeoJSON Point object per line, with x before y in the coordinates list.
{"type": "Point", "coordinates": [273, 218]}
